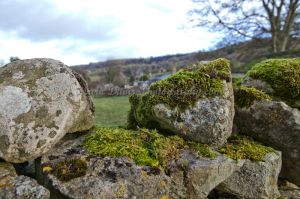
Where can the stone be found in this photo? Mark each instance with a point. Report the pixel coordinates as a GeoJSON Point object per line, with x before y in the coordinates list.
{"type": "Point", "coordinates": [190, 176]}
{"type": "Point", "coordinates": [256, 179]}
{"type": "Point", "coordinates": [40, 101]}
{"type": "Point", "coordinates": [279, 78]}
{"type": "Point", "coordinates": [195, 103]}
{"type": "Point", "coordinates": [202, 175]}
{"type": "Point", "coordinates": [209, 121]}
{"type": "Point", "coordinates": [277, 125]}
{"type": "Point", "coordinates": [7, 172]}
{"type": "Point", "coordinates": [19, 187]}
{"type": "Point", "coordinates": [289, 190]}
{"type": "Point", "coordinates": [258, 84]}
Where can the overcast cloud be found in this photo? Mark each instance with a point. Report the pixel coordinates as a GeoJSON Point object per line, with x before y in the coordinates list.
{"type": "Point", "coordinates": [77, 32]}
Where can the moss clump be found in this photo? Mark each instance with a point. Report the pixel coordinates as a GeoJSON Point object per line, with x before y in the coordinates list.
{"type": "Point", "coordinates": [185, 87]}
{"type": "Point", "coordinates": [240, 147]}
{"type": "Point", "coordinates": [245, 96]}
{"type": "Point", "coordinates": [141, 110]}
{"type": "Point", "coordinates": [143, 146]}
{"type": "Point", "coordinates": [69, 169]}
{"type": "Point", "coordinates": [237, 81]}
{"type": "Point", "coordinates": [180, 90]}
{"type": "Point", "coordinates": [202, 149]}
{"type": "Point", "coordinates": [283, 75]}
{"type": "Point", "coordinates": [120, 142]}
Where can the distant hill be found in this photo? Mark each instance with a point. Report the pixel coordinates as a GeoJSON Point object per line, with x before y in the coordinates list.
{"type": "Point", "coordinates": [126, 71]}
{"type": "Point", "coordinates": [244, 55]}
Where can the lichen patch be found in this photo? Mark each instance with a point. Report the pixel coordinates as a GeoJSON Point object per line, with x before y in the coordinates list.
{"type": "Point", "coordinates": [18, 75]}
{"type": "Point", "coordinates": [13, 102]}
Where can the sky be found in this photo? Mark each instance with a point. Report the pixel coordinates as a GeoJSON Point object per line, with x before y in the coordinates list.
{"type": "Point", "coordinates": [83, 31]}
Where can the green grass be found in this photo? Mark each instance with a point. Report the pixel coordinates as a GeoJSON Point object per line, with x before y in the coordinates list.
{"type": "Point", "coordinates": [111, 111]}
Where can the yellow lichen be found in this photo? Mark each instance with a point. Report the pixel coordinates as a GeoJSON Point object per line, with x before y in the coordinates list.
{"type": "Point", "coordinates": [47, 169]}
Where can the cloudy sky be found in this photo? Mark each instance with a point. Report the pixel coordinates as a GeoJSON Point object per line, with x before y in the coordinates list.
{"type": "Point", "coordinates": [83, 31]}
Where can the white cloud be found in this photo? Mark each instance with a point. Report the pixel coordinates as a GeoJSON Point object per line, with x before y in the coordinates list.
{"type": "Point", "coordinates": [91, 30]}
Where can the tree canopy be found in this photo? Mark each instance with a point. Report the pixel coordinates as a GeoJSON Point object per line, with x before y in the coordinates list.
{"type": "Point", "coordinates": [240, 20]}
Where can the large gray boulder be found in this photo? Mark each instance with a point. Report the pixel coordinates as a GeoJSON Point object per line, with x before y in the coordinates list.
{"type": "Point", "coordinates": [256, 179]}
{"type": "Point", "coordinates": [19, 187]}
{"type": "Point", "coordinates": [195, 103]}
{"type": "Point", "coordinates": [277, 125]}
{"type": "Point", "coordinates": [190, 176]}
{"type": "Point", "coordinates": [40, 101]}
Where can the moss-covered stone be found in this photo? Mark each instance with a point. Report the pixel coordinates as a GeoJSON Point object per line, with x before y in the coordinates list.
{"type": "Point", "coordinates": [143, 146]}
{"type": "Point", "coordinates": [241, 147]}
{"type": "Point", "coordinates": [283, 75]}
{"type": "Point", "coordinates": [141, 113]}
{"type": "Point", "coordinates": [245, 96]}
{"type": "Point", "coordinates": [68, 169]}
{"type": "Point", "coordinates": [184, 88]}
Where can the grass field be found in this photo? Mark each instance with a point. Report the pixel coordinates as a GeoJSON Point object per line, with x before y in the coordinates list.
{"type": "Point", "coordinates": [111, 111]}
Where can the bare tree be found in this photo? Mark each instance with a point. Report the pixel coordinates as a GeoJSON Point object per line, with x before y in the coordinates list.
{"type": "Point", "coordinates": [250, 19]}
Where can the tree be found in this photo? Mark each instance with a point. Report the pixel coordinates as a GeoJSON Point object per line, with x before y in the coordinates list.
{"type": "Point", "coordinates": [250, 19]}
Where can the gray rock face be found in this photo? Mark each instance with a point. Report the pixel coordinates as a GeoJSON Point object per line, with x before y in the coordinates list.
{"type": "Point", "coordinates": [209, 121]}
{"type": "Point", "coordinates": [201, 175]}
{"type": "Point", "coordinates": [289, 190]}
{"type": "Point", "coordinates": [277, 125]}
{"type": "Point", "coordinates": [40, 101]}
{"type": "Point", "coordinates": [19, 187]}
{"type": "Point", "coordinates": [107, 177]}
{"type": "Point", "coordinates": [255, 180]}
{"type": "Point", "coordinates": [7, 172]}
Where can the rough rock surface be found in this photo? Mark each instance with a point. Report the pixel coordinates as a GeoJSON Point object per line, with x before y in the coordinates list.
{"type": "Point", "coordinates": [19, 187]}
{"type": "Point", "coordinates": [277, 125]}
{"type": "Point", "coordinates": [200, 175]}
{"type": "Point", "coordinates": [289, 190]}
{"type": "Point", "coordinates": [189, 177]}
{"type": "Point", "coordinates": [209, 121]}
{"type": "Point", "coordinates": [40, 101]}
{"type": "Point", "coordinates": [255, 180]}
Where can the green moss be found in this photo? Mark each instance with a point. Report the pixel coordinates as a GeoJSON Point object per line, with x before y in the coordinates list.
{"type": "Point", "coordinates": [141, 112]}
{"type": "Point", "coordinates": [143, 146]}
{"type": "Point", "coordinates": [185, 87]}
{"type": "Point", "coordinates": [240, 147]}
{"type": "Point", "coordinates": [283, 75]}
{"type": "Point", "coordinates": [117, 143]}
{"type": "Point", "coordinates": [69, 169]}
{"type": "Point", "coordinates": [202, 149]}
{"type": "Point", "coordinates": [180, 90]}
{"type": "Point", "coordinates": [236, 81]}
{"type": "Point", "coordinates": [245, 96]}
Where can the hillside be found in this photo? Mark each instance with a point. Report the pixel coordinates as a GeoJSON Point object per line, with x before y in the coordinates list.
{"type": "Point", "coordinates": [123, 72]}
